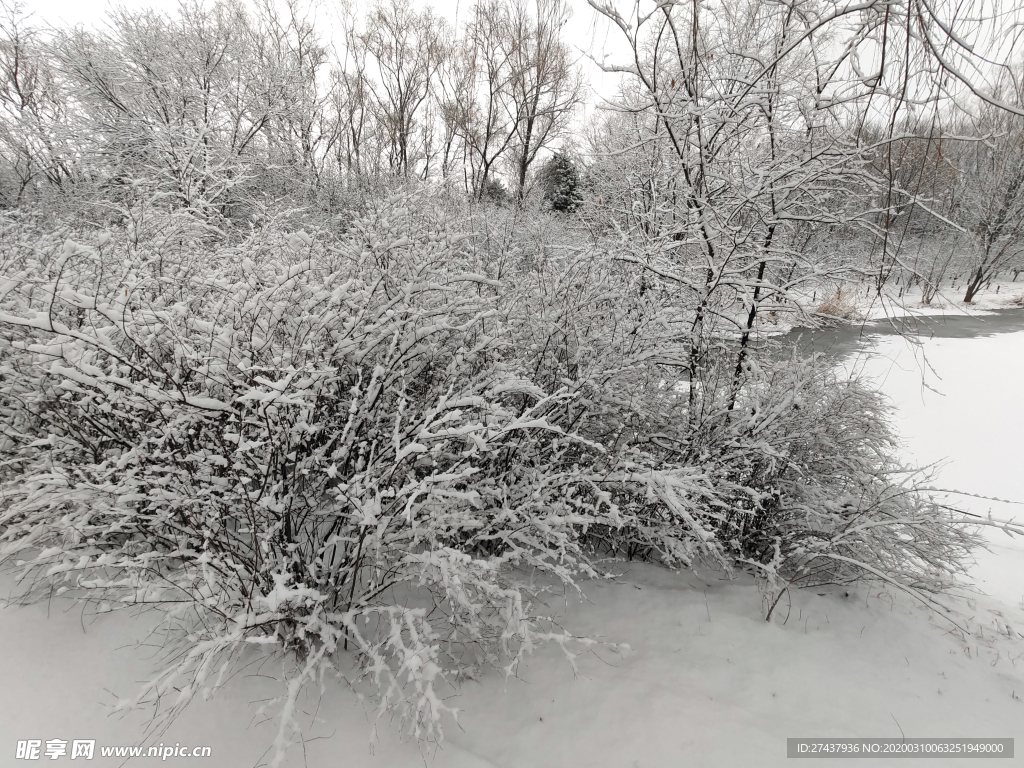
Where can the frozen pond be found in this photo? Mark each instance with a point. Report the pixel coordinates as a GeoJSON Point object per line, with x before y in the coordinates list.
{"type": "Point", "coordinates": [959, 405]}
{"type": "Point", "coordinates": [844, 340]}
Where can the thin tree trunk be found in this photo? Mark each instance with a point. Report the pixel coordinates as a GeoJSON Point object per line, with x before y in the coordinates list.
{"type": "Point", "coordinates": [973, 284]}
{"type": "Point", "coordinates": [751, 317]}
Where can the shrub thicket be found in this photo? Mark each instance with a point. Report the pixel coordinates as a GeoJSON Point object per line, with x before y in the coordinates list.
{"type": "Point", "coordinates": [362, 447]}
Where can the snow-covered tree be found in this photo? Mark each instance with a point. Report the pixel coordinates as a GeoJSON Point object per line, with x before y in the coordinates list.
{"type": "Point", "coordinates": [560, 183]}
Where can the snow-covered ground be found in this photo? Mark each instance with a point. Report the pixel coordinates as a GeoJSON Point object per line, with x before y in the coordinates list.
{"type": "Point", "coordinates": [707, 681]}
{"type": "Point", "coordinates": [966, 414]}
{"type": "Point", "coordinates": [1000, 294]}
{"type": "Point", "coordinates": [862, 303]}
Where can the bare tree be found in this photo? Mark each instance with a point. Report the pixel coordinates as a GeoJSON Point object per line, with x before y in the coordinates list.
{"type": "Point", "coordinates": [990, 202]}
{"type": "Point", "coordinates": [180, 101]}
{"type": "Point", "coordinates": [546, 84]}
{"type": "Point", "coordinates": [351, 100]}
{"type": "Point", "coordinates": [454, 94]}
{"type": "Point", "coordinates": [489, 120]}
{"type": "Point", "coordinates": [406, 49]}
{"type": "Point", "coordinates": [749, 156]}
{"type": "Point", "coordinates": [33, 110]}
{"type": "Point", "coordinates": [290, 55]}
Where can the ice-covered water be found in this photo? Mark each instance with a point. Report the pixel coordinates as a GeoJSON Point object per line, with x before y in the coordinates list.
{"type": "Point", "coordinates": [956, 387]}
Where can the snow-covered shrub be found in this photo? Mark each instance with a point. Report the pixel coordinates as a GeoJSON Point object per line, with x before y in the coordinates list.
{"type": "Point", "coordinates": [372, 449]}
{"type": "Point", "coordinates": [800, 463]}
{"type": "Point", "coordinates": [829, 501]}
{"type": "Point", "coordinates": [322, 446]}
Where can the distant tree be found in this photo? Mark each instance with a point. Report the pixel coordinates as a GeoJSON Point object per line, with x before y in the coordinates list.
{"type": "Point", "coordinates": [561, 184]}
{"type": "Point", "coordinates": [991, 194]}
{"type": "Point", "coordinates": [488, 126]}
{"type": "Point", "coordinates": [196, 103]}
{"type": "Point", "coordinates": [546, 84]}
{"type": "Point", "coordinates": [494, 191]}
{"type": "Point", "coordinates": [406, 47]}
{"type": "Point", "coordinates": [33, 110]}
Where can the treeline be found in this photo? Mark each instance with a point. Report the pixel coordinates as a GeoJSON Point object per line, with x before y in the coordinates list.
{"type": "Point", "coordinates": [747, 135]}
{"type": "Point", "coordinates": [754, 151]}
{"type": "Point", "coordinates": [218, 104]}
{"type": "Point", "coordinates": [957, 197]}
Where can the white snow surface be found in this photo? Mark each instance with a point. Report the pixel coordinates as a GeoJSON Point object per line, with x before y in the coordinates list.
{"type": "Point", "coordinates": [959, 406]}
{"type": "Point", "coordinates": [707, 681]}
